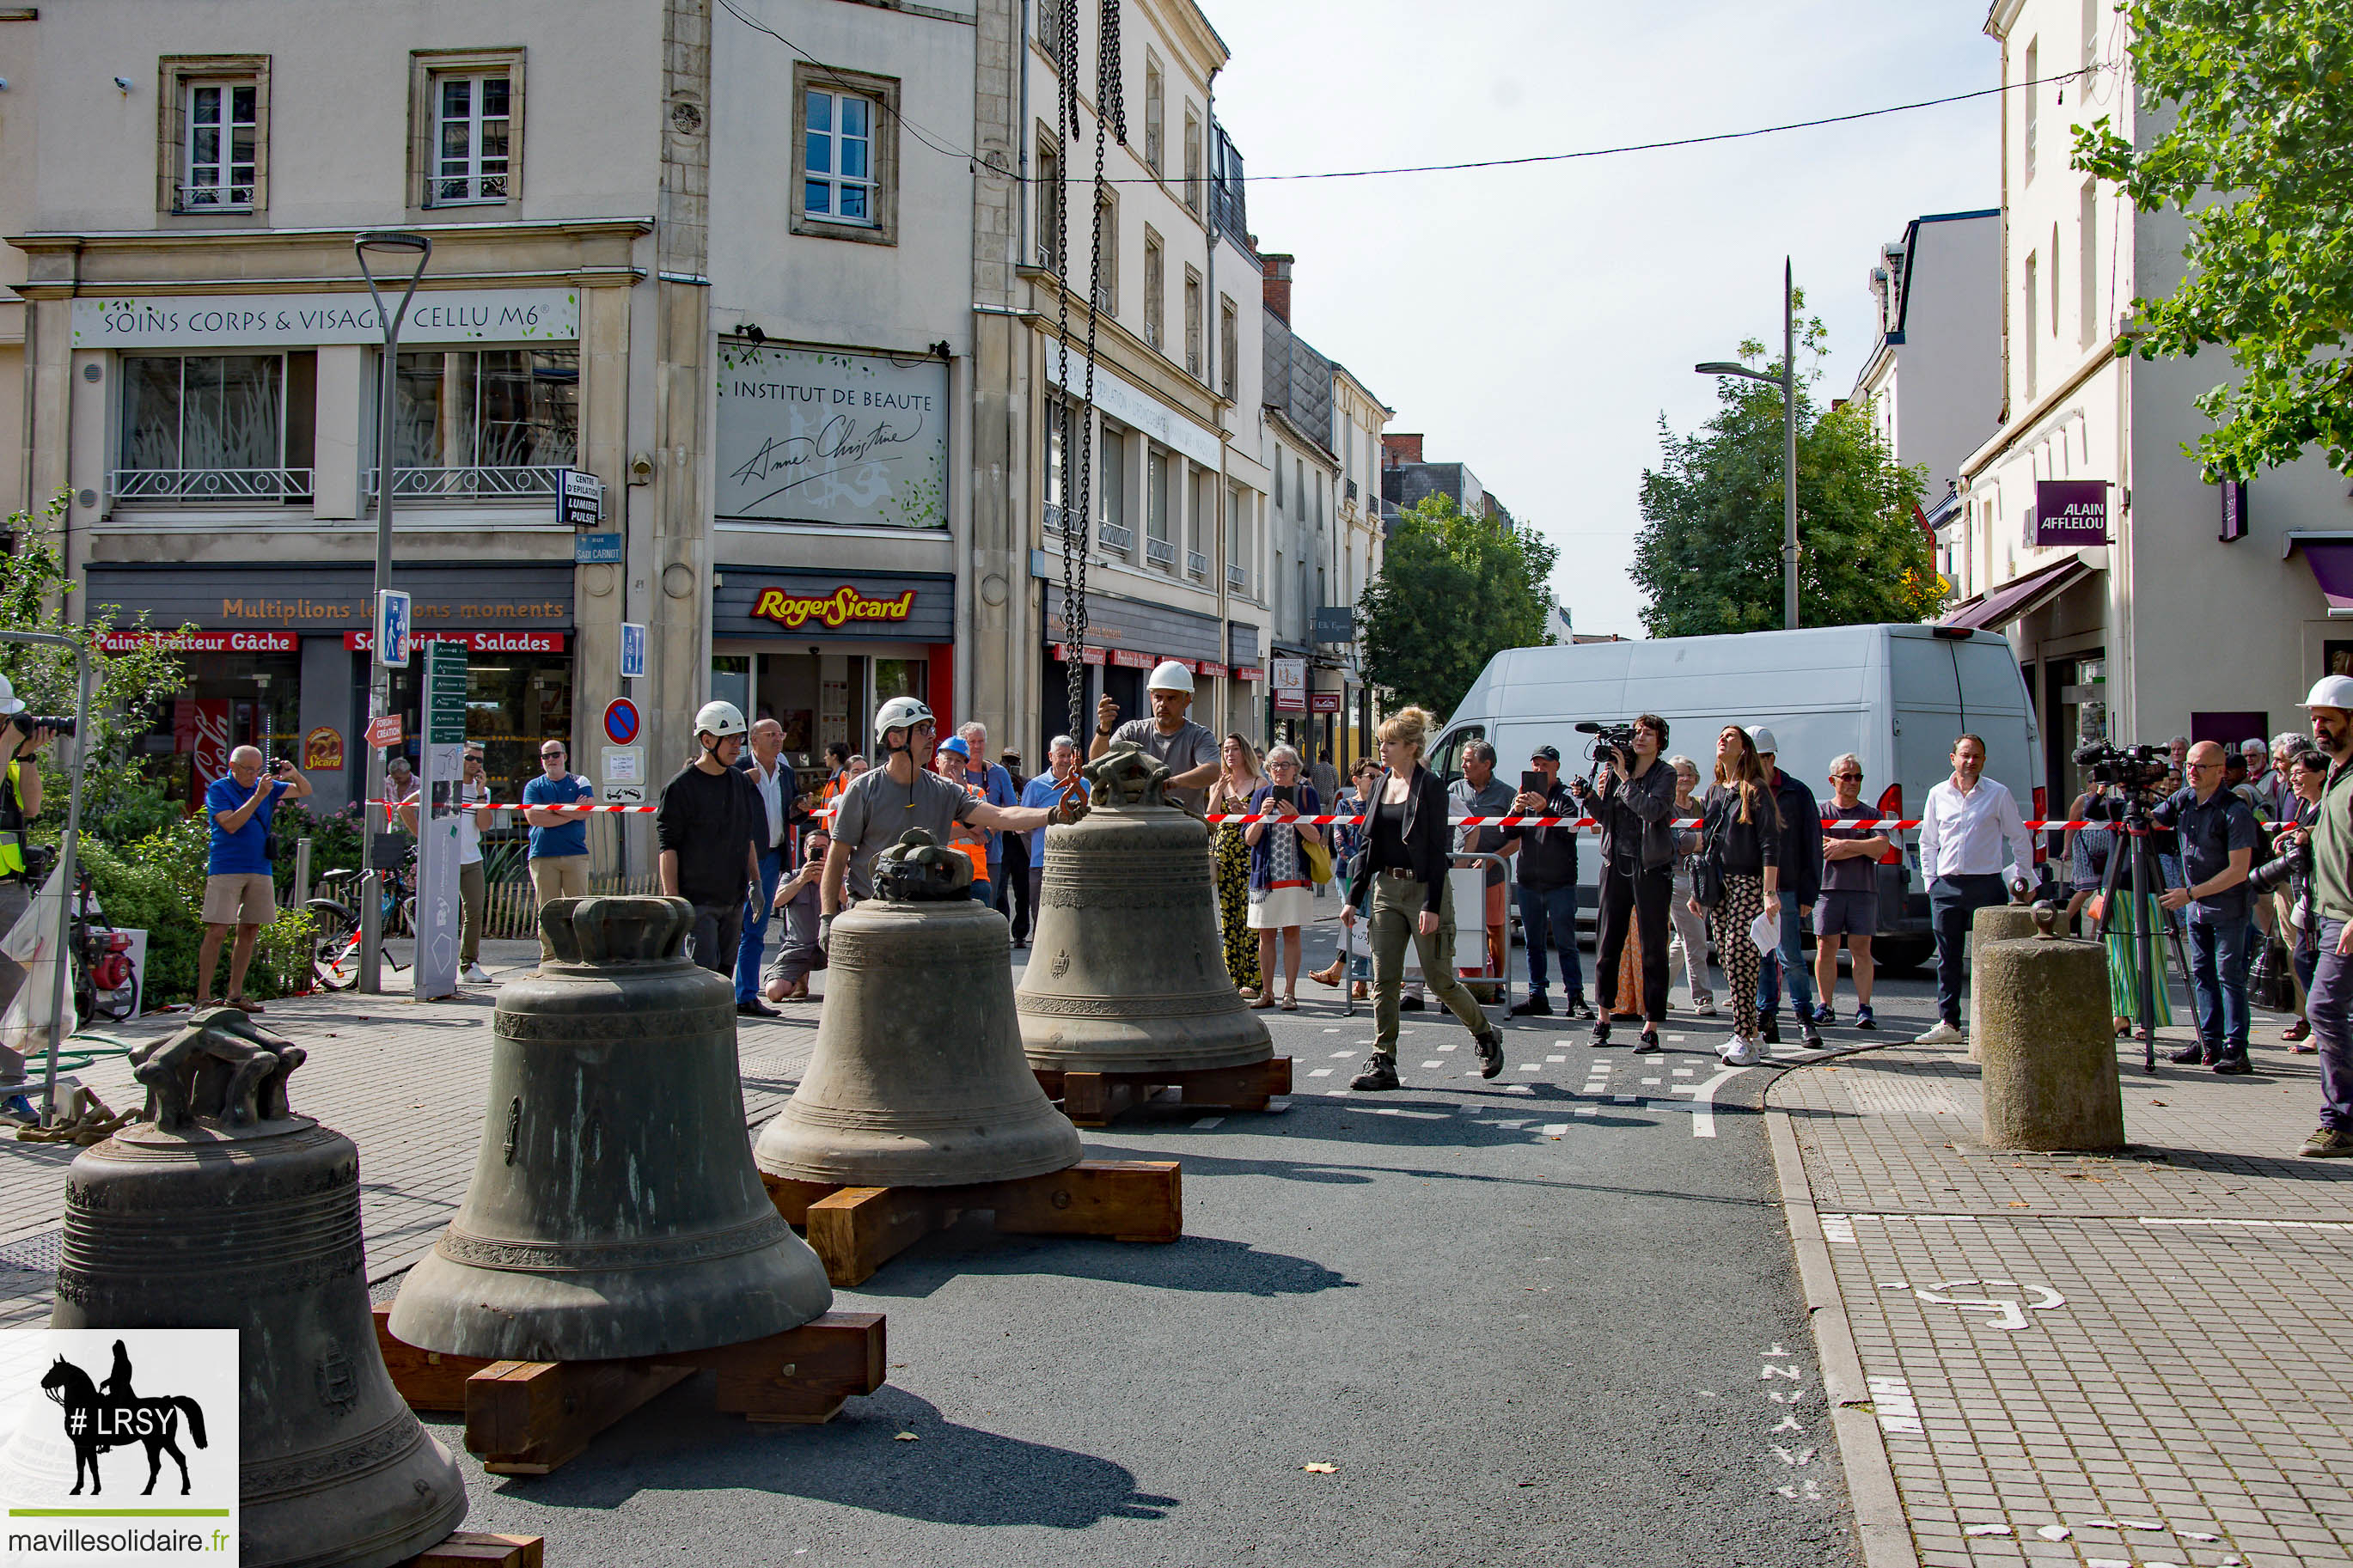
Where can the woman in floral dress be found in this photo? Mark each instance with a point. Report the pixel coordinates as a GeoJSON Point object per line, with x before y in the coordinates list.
{"type": "Point", "coordinates": [1238, 779]}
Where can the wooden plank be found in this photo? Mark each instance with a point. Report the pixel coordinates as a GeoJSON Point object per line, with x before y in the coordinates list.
{"type": "Point", "coordinates": [427, 1380]}
{"type": "Point", "coordinates": [793, 1197]}
{"type": "Point", "coordinates": [1094, 1098]}
{"type": "Point", "coordinates": [480, 1549]}
{"type": "Point", "coordinates": [1128, 1200]}
{"type": "Point", "coordinates": [802, 1375]}
{"type": "Point", "coordinates": [526, 1418]}
{"type": "Point", "coordinates": [858, 1229]}
{"type": "Point", "coordinates": [1244, 1087]}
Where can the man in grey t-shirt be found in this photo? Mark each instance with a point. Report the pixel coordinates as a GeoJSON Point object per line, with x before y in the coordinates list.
{"type": "Point", "coordinates": [1187, 749]}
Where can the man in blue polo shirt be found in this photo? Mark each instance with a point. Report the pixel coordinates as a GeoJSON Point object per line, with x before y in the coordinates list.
{"type": "Point", "coordinates": [559, 839]}
{"type": "Point", "coordinates": [238, 890]}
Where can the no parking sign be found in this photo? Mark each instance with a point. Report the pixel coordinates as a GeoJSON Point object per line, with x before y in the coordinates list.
{"type": "Point", "coordinates": [620, 721]}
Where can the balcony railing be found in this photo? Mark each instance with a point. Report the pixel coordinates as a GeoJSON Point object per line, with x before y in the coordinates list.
{"type": "Point", "coordinates": [1237, 578]}
{"type": "Point", "coordinates": [1196, 565]}
{"type": "Point", "coordinates": [1160, 552]}
{"type": "Point", "coordinates": [1054, 517]}
{"type": "Point", "coordinates": [211, 484]}
{"type": "Point", "coordinates": [469, 484]}
{"type": "Point", "coordinates": [1116, 537]}
{"type": "Point", "coordinates": [1352, 489]}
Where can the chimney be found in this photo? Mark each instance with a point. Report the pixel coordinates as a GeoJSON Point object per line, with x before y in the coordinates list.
{"type": "Point", "coordinates": [1278, 286]}
{"type": "Point", "coordinates": [1399, 447]}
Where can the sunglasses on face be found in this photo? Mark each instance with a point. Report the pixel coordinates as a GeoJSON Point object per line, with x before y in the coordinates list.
{"type": "Point", "coordinates": [1846, 778]}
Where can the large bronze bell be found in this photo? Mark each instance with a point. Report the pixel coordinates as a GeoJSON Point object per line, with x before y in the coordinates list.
{"type": "Point", "coordinates": [918, 1078]}
{"type": "Point", "coordinates": [613, 1210]}
{"type": "Point", "coordinates": [227, 1210]}
{"type": "Point", "coordinates": [1128, 973]}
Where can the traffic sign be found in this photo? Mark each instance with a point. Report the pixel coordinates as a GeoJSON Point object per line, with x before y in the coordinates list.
{"type": "Point", "coordinates": [620, 721]}
{"type": "Point", "coordinates": [621, 794]}
{"type": "Point", "coordinates": [392, 624]}
{"type": "Point", "coordinates": [445, 693]}
{"type": "Point", "coordinates": [383, 731]}
{"type": "Point", "coordinates": [633, 650]}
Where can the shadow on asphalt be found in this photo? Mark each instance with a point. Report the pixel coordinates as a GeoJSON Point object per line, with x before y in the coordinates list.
{"type": "Point", "coordinates": [1311, 1170]}
{"type": "Point", "coordinates": [1198, 1263]}
{"type": "Point", "coordinates": [950, 1474]}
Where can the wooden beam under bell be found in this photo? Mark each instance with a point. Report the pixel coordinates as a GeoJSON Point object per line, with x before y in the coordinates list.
{"type": "Point", "coordinates": [1094, 1099]}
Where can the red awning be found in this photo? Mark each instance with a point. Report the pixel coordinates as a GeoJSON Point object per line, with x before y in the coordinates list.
{"type": "Point", "coordinates": [2019, 596]}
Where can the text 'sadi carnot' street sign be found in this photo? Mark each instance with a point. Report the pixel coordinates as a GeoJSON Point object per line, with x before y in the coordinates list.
{"type": "Point", "coordinates": [2070, 512]}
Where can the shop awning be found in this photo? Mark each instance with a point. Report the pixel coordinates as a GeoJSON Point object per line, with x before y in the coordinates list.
{"type": "Point", "coordinates": [2019, 596]}
{"type": "Point", "coordinates": [2332, 567]}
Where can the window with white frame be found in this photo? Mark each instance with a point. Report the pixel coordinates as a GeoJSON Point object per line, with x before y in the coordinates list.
{"type": "Point", "coordinates": [1193, 160]}
{"type": "Point", "coordinates": [220, 144]}
{"type": "Point", "coordinates": [1192, 323]}
{"type": "Point", "coordinates": [1110, 485]}
{"type": "Point", "coordinates": [1106, 256]}
{"type": "Point", "coordinates": [1228, 349]}
{"type": "Point", "coordinates": [1155, 115]}
{"type": "Point", "coordinates": [1049, 206]}
{"type": "Point", "coordinates": [1057, 470]}
{"type": "Point", "coordinates": [838, 157]}
{"type": "Point", "coordinates": [473, 132]}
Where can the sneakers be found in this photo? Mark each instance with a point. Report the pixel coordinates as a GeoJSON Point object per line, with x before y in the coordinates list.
{"type": "Point", "coordinates": [1825, 1014]}
{"type": "Point", "coordinates": [1648, 1045]}
{"type": "Point", "coordinates": [1601, 1033]}
{"type": "Point", "coordinates": [1411, 1004]}
{"type": "Point", "coordinates": [1703, 1005]}
{"type": "Point", "coordinates": [2231, 1064]}
{"type": "Point", "coordinates": [2190, 1054]}
{"type": "Point", "coordinates": [1738, 1052]}
{"type": "Point", "coordinates": [1379, 1072]}
{"type": "Point", "coordinates": [1863, 1018]}
{"type": "Point", "coordinates": [2328, 1143]}
{"type": "Point", "coordinates": [1771, 1032]}
{"type": "Point", "coordinates": [476, 975]}
{"type": "Point", "coordinates": [1943, 1034]}
{"type": "Point", "coordinates": [1536, 1007]}
{"type": "Point", "coordinates": [1490, 1054]}
{"type": "Point", "coordinates": [1577, 1008]}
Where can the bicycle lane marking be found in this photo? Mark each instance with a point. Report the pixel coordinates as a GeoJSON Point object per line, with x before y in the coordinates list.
{"type": "Point", "coordinates": [1703, 1105]}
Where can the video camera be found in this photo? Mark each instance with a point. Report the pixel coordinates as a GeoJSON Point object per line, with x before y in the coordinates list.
{"type": "Point", "coordinates": [2136, 768]}
{"type": "Point", "coordinates": [26, 723]}
{"type": "Point", "coordinates": [1608, 739]}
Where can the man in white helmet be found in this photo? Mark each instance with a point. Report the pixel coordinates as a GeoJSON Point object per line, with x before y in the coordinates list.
{"type": "Point", "coordinates": [903, 792]}
{"type": "Point", "coordinates": [712, 827]}
{"type": "Point", "coordinates": [2329, 1005]}
{"type": "Point", "coordinates": [1168, 736]}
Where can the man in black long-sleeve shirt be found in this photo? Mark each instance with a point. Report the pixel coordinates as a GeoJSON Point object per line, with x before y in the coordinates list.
{"type": "Point", "coordinates": [711, 827]}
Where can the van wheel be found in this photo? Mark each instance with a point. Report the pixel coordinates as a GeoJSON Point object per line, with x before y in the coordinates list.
{"type": "Point", "coordinates": [1902, 954]}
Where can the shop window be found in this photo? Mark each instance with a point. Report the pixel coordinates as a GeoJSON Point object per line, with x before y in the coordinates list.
{"type": "Point", "coordinates": [516, 703]}
{"type": "Point", "coordinates": [845, 128]}
{"type": "Point", "coordinates": [225, 701]}
{"type": "Point", "coordinates": [485, 424]}
{"type": "Point", "coordinates": [215, 427]}
{"type": "Point", "coordinates": [466, 125]}
{"type": "Point", "coordinates": [212, 153]}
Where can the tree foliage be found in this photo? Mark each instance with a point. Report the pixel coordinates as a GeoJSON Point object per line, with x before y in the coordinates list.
{"type": "Point", "coordinates": [1708, 553]}
{"type": "Point", "coordinates": [2253, 105]}
{"type": "Point", "coordinates": [1453, 591]}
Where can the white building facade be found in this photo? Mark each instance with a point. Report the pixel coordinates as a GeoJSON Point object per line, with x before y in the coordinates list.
{"type": "Point", "coordinates": [1934, 377]}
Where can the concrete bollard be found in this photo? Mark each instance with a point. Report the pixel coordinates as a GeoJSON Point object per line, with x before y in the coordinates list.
{"type": "Point", "coordinates": [1997, 922]}
{"type": "Point", "coordinates": [2049, 1074]}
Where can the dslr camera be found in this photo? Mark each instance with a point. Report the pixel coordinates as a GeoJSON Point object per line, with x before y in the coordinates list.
{"type": "Point", "coordinates": [24, 724]}
{"type": "Point", "coordinates": [2140, 768]}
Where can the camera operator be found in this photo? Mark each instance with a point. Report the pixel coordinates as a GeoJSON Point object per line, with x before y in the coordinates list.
{"type": "Point", "coordinates": [238, 890]}
{"type": "Point", "coordinates": [1634, 793]}
{"type": "Point", "coordinates": [2218, 835]}
{"type": "Point", "coordinates": [20, 800]}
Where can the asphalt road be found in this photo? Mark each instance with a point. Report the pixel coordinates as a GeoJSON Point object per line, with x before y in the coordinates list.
{"type": "Point", "coordinates": [1522, 1321]}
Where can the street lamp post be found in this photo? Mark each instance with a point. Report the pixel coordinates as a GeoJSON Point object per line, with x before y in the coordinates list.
{"type": "Point", "coordinates": [1787, 382]}
{"type": "Point", "coordinates": [388, 246]}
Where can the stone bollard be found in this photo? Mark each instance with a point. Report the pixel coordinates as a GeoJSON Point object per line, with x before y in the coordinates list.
{"type": "Point", "coordinates": [2049, 1074]}
{"type": "Point", "coordinates": [1997, 923]}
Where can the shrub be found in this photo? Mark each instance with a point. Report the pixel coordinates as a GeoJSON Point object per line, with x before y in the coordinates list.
{"type": "Point", "coordinates": [157, 885]}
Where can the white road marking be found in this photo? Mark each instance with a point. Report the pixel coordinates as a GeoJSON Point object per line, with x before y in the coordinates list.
{"type": "Point", "coordinates": [1208, 1121]}
{"type": "Point", "coordinates": [1343, 1053]}
{"type": "Point", "coordinates": [1448, 1045]}
{"type": "Point", "coordinates": [2005, 1309]}
{"type": "Point", "coordinates": [1625, 1099]}
{"type": "Point", "coordinates": [1517, 1089]}
{"type": "Point", "coordinates": [1703, 1099]}
{"type": "Point", "coordinates": [1652, 1081]}
{"type": "Point", "coordinates": [1891, 1400]}
{"type": "Point", "coordinates": [1587, 1110]}
{"type": "Point", "coordinates": [1682, 1072]}
{"type": "Point", "coordinates": [1556, 1128]}
{"type": "Point", "coordinates": [1838, 1228]}
{"type": "Point", "coordinates": [1532, 1067]}
{"type": "Point", "coordinates": [1333, 1030]}
{"type": "Point", "coordinates": [1555, 1058]}
{"type": "Point", "coordinates": [1321, 1072]}
{"type": "Point", "coordinates": [1433, 1064]}
{"type": "Point", "coordinates": [1675, 1039]}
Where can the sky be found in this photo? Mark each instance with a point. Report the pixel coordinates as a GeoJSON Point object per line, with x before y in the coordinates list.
{"type": "Point", "coordinates": [1535, 323]}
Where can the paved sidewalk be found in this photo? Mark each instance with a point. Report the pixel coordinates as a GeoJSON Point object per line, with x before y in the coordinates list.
{"type": "Point", "coordinates": [2071, 1359]}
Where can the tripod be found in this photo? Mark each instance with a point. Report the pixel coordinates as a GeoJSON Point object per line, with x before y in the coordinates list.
{"type": "Point", "coordinates": [2134, 837]}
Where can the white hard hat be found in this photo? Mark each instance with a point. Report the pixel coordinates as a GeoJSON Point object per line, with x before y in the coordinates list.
{"type": "Point", "coordinates": [2331, 691]}
{"type": "Point", "coordinates": [9, 701]}
{"type": "Point", "coordinates": [719, 721]}
{"type": "Point", "coordinates": [899, 714]}
{"type": "Point", "coordinates": [1762, 738]}
{"type": "Point", "coordinates": [1171, 675]}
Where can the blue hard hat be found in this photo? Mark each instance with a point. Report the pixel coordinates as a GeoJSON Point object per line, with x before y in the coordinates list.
{"type": "Point", "coordinates": [955, 744]}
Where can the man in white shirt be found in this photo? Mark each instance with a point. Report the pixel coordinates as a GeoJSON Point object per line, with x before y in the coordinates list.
{"type": "Point", "coordinates": [772, 776]}
{"type": "Point", "coordinates": [1971, 831]}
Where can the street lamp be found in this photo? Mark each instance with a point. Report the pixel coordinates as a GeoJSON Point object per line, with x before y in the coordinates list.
{"type": "Point", "coordinates": [1787, 382]}
{"type": "Point", "coordinates": [388, 247]}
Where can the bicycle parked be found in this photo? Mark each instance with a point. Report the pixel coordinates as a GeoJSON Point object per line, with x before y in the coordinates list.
{"type": "Point", "coordinates": [335, 960]}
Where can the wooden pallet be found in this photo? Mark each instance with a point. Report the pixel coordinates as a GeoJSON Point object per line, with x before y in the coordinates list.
{"type": "Point", "coordinates": [477, 1549]}
{"type": "Point", "coordinates": [526, 1418]}
{"type": "Point", "coordinates": [1094, 1098]}
{"type": "Point", "coordinates": [855, 1230]}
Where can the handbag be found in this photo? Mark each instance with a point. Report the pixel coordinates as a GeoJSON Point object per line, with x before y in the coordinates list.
{"type": "Point", "coordinates": [1318, 857]}
{"type": "Point", "coordinates": [1707, 869]}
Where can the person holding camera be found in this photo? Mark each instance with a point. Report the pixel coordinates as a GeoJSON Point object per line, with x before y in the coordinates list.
{"type": "Point", "coordinates": [1281, 893]}
{"type": "Point", "coordinates": [2218, 835]}
{"type": "Point", "coordinates": [20, 800]}
{"type": "Point", "coordinates": [239, 891]}
{"type": "Point", "coordinates": [1634, 794]}
{"type": "Point", "coordinates": [1548, 886]}
{"type": "Point", "coordinates": [2287, 879]}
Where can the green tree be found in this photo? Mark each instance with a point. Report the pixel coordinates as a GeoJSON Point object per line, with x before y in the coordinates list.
{"type": "Point", "coordinates": [1708, 553]}
{"type": "Point", "coordinates": [118, 800]}
{"type": "Point", "coordinates": [2250, 103]}
{"type": "Point", "coordinates": [1453, 591]}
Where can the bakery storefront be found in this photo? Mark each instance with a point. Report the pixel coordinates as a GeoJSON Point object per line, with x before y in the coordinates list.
{"type": "Point", "coordinates": [819, 651]}
{"type": "Point", "coordinates": [277, 657]}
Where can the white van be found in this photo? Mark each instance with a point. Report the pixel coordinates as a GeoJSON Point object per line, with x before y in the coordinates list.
{"type": "Point", "coordinates": [1895, 696]}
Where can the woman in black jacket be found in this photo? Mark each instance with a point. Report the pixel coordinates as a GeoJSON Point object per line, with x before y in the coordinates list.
{"type": "Point", "coordinates": [1634, 796]}
{"type": "Point", "coordinates": [1400, 883]}
{"type": "Point", "coordinates": [1743, 836]}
